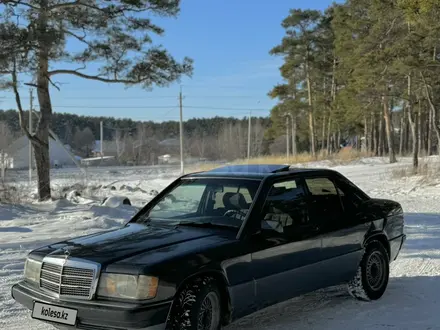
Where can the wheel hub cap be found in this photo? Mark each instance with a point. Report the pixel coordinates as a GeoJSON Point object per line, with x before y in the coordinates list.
{"type": "Point", "coordinates": [209, 315]}
{"type": "Point", "coordinates": [375, 270]}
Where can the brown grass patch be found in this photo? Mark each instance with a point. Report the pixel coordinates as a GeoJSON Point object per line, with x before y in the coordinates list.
{"type": "Point", "coordinates": [343, 157]}
{"type": "Point", "coordinates": [428, 170]}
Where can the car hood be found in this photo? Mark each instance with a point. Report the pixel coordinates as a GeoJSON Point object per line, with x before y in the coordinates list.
{"type": "Point", "coordinates": [115, 245]}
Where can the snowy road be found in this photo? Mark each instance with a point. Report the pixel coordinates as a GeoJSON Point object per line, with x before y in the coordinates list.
{"type": "Point", "coordinates": [411, 301]}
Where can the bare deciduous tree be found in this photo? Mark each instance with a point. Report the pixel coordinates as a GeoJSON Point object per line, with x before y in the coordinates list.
{"type": "Point", "coordinates": [120, 144]}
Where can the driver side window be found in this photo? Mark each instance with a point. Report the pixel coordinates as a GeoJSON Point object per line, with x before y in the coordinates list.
{"type": "Point", "coordinates": [285, 208]}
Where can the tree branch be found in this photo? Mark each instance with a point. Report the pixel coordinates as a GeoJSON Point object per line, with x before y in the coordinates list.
{"type": "Point", "coordinates": [113, 11]}
{"type": "Point", "coordinates": [53, 84]}
{"type": "Point", "coordinates": [31, 85]}
{"type": "Point", "coordinates": [98, 78]}
{"type": "Point", "coordinates": [73, 4]}
{"type": "Point", "coordinates": [79, 38]}
{"type": "Point", "coordinates": [18, 3]}
{"type": "Point", "coordinates": [427, 93]}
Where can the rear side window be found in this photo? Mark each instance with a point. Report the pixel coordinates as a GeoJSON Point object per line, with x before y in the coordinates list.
{"type": "Point", "coordinates": [351, 196]}
{"type": "Point", "coordinates": [321, 187]}
{"type": "Point", "coordinates": [285, 208]}
{"type": "Point", "coordinates": [325, 204]}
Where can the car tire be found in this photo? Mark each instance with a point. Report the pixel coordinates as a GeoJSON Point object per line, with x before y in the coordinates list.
{"type": "Point", "coordinates": [197, 306]}
{"type": "Point", "coordinates": [371, 279]}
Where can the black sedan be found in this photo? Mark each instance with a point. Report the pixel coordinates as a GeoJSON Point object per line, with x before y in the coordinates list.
{"type": "Point", "coordinates": [216, 246]}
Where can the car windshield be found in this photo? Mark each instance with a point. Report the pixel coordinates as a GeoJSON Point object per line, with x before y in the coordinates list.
{"type": "Point", "coordinates": [212, 201]}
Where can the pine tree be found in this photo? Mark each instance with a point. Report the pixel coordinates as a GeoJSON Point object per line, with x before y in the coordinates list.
{"type": "Point", "coordinates": [300, 50]}
{"type": "Point", "coordinates": [114, 34]}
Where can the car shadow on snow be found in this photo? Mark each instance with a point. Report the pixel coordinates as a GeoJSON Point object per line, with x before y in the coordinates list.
{"type": "Point", "coordinates": [423, 234]}
{"type": "Point", "coordinates": [15, 230]}
{"type": "Point", "coordinates": [408, 303]}
{"type": "Point", "coordinates": [9, 212]}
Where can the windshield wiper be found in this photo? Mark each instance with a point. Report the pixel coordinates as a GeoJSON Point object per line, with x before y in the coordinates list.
{"type": "Point", "coordinates": [203, 224]}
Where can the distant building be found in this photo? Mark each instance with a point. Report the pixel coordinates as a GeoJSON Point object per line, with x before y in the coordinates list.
{"type": "Point", "coordinates": [18, 153]}
{"type": "Point", "coordinates": [110, 149]}
{"type": "Point", "coordinates": [170, 150]}
{"type": "Point", "coordinates": [100, 161]}
{"type": "Point", "coordinates": [168, 159]}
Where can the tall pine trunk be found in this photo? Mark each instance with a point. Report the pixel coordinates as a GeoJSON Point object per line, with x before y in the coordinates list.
{"type": "Point", "coordinates": [435, 126]}
{"type": "Point", "coordinates": [374, 133]}
{"type": "Point", "coordinates": [339, 138]}
{"type": "Point", "coordinates": [412, 124]}
{"type": "Point", "coordinates": [41, 149]}
{"type": "Point", "coordinates": [419, 127]}
{"type": "Point", "coordinates": [310, 111]}
{"type": "Point", "coordinates": [389, 130]}
{"type": "Point", "coordinates": [329, 127]}
{"type": "Point", "coordinates": [407, 136]}
{"type": "Point", "coordinates": [294, 130]}
{"type": "Point", "coordinates": [429, 134]}
{"type": "Point", "coordinates": [402, 131]}
{"type": "Point", "coordinates": [333, 98]}
{"type": "Point", "coordinates": [324, 119]}
{"type": "Point", "coordinates": [366, 144]}
{"type": "Point", "coordinates": [380, 142]}
{"type": "Point", "coordinates": [432, 113]}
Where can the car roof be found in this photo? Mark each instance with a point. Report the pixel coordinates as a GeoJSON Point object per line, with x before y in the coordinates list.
{"type": "Point", "coordinates": [255, 171]}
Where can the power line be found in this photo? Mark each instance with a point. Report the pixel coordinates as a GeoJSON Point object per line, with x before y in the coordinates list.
{"type": "Point", "coordinates": [159, 107]}
{"type": "Point", "coordinates": [113, 107]}
{"type": "Point", "coordinates": [240, 87]}
{"type": "Point", "coordinates": [233, 109]}
{"type": "Point", "coordinates": [147, 97]}
{"type": "Point", "coordinates": [130, 129]}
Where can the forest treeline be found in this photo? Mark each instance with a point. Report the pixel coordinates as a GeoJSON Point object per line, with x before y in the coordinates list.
{"type": "Point", "coordinates": [212, 138]}
{"type": "Point", "coordinates": [367, 68]}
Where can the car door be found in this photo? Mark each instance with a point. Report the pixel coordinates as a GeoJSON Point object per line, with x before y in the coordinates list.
{"type": "Point", "coordinates": [286, 250]}
{"type": "Point", "coordinates": [331, 206]}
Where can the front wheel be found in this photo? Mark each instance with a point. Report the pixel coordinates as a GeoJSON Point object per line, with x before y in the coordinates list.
{"type": "Point", "coordinates": [197, 307]}
{"type": "Point", "coordinates": [371, 279]}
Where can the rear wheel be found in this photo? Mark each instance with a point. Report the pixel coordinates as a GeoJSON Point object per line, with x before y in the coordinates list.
{"type": "Point", "coordinates": [371, 279]}
{"type": "Point", "coordinates": [197, 307]}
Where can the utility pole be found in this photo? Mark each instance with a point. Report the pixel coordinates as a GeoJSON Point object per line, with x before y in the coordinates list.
{"type": "Point", "coordinates": [249, 136]}
{"type": "Point", "coordinates": [31, 130]}
{"type": "Point", "coordinates": [102, 140]}
{"type": "Point", "coordinates": [181, 131]}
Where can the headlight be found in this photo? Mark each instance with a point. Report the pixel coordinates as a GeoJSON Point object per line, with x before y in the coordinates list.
{"type": "Point", "coordinates": [127, 286]}
{"type": "Point", "coordinates": [32, 270]}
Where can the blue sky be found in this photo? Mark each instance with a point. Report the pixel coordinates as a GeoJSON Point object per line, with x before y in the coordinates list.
{"type": "Point", "coordinates": [229, 41]}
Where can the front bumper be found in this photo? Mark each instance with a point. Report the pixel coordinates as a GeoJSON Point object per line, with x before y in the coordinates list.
{"type": "Point", "coordinates": [100, 315]}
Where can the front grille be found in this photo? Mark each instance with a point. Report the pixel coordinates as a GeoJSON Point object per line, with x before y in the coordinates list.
{"type": "Point", "coordinates": [66, 280]}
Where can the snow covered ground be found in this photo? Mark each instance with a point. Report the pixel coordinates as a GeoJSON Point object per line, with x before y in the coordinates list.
{"type": "Point", "coordinates": [410, 302]}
